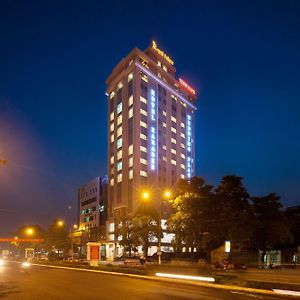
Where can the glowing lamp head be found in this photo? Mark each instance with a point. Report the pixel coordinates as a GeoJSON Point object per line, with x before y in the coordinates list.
{"type": "Point", "coordinates": [29, 231]}
{"type": "Point", "coordinates": [145, 195]}
{"type": "Point", "coordinates": [167, 194]}
{"type": "Point", "coordinates": [60, 223]}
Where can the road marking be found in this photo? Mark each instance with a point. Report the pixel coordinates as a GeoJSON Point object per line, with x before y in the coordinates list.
{"type": "Point", "coordinates": [246, 294]}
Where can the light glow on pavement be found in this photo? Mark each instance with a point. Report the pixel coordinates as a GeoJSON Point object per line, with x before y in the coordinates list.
{"type": "Point", "coordinates": [287, 292]}
{"type": "Point", "coordinates": [187, 277]}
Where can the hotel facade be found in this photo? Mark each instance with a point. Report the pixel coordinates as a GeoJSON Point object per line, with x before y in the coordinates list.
{"type": "Point", "coordinates": [150, 130]}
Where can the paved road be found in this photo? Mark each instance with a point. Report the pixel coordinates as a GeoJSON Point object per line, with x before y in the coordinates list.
{"type": "Point", "coordinates": [40, 283]}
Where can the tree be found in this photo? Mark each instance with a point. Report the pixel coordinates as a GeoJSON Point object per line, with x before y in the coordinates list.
{"type": "Point", "coordinates": [234, 215]}
{"type": "Point", "coordinates": [271, 224]}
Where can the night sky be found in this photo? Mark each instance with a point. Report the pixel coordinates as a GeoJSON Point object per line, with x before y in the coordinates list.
{"type": "Point", "coordinates": [242, 57]}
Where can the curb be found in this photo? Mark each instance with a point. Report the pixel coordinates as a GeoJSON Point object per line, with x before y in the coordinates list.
{"type": "Point", "coordinates": [169, 280]}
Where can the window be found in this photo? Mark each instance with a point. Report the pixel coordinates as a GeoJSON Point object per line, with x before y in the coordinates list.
{"type": "Point", "coordinates": [164, 113]}
{"type": "Point", "coordinates": [112, 182]}
{"type": "Point", "coordinates": [143, 136]}
{"type": "Point", "coordinates": [143, 161]}
{"type": "Point", "coordinates": [130, 149]}
{"type": "Point", "coordinates": [182, 176]}
{"type": "Point", "coordinates": [119, 154]}
{"type": "Point", "coordinates": [182, 125]}
{"type": "Point", "coordinates": [119, 166]}
{"type": "Point", "coordinates": [130, 162]}
{"type": "Point", "coordinates": [130, 100]}
{"type": "Point", "coordinates": [130, 77]}
{"type": "Point", "coordinates": [112, 127]}
{"type": "Point", "coordinates": [159, 63]}
{"type": "Point", "coordinates": [164, 124]}
{"type": "Point", "coordinates": [120, 85]}
{"type": "Point", "coordinates": [119, 177]}
{"type": "Point", "coordinates": [130, 113]}
{"type": "Point", "coordinates": [143, 99]}
{"type": "Point", "coordinates": [173, 129]}
{"type": "Point", "coordinates": [173, 141]}
{"type": "Point", "coordinates": [143, 112]}
{"type": "Point", "coordinates": [173, 151]}
{"type": "Point", "coordinates": [111, 95]}
{"type": "Point", "coordinates": [165, 68]}
{"type": "Point", "coordinates": [119, 120]}
{"type": "Point", "coordinates": [112, 115]}
{"type": "Point", "coordinates": [119, 108]}
{"type": "Point", "coordinates": [182, 166]}
{"type": "Point", "coordinates": [173, 162]}
{"type": "Point", "coordinates": [182, 135]}
{"type": "Point", "coordinates": [164, 147]}
{"type": "Point", "coordinates": [164, 158]}
{"type": "Point", "coordinates": [130, 174]}
{"type": "Point", "coordinates": [119, 143]}
{"type": "Point", "coordinates": [143, 173]}
{"type": "Point", "coordinates": [144, 77]}
{"type": "Point", "coordinates": [119, 131]}
{"type": "Point", "coordinates": [112, 159]}
{"type": "Point", "coordinates": [173, 119]}
{"type": "Point", "coordinates": [112, 138]}
{"type": "Point", "coordinates": [182, 145]}
{"type": "Point", "coordinates": [182, 156]}
{"type": "Point", "coordinates": [143, 149]}
{"type": "Point", "coordinates": [143, 124]}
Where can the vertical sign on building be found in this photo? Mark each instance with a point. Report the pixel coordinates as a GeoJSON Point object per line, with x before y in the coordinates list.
{"type": "Point", "coordinates": [189, 158]}
{"type": "Point", "coordinates": [152, 130]}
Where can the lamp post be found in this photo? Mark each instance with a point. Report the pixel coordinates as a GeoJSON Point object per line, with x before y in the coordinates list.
{"type": "Point", "coordinates": [166, 194]}
{"type": "Point", "coordinates": [71, 240]}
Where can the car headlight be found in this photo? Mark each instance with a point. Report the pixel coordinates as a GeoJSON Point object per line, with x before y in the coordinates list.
{"type": "Point", "coordinates": [26, 264]}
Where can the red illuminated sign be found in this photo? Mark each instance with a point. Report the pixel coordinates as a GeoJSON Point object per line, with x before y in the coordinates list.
{"type": "Point", "coordinates": [187, 87]}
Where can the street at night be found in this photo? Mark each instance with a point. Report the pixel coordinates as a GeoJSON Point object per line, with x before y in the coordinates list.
{"type": "Point", "coordinates": [47, 283]}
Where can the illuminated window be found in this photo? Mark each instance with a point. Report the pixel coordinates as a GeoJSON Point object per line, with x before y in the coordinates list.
{"type": "Point", "coordinates": [164, 113]}
{"type": "Point", "coordinates": [144, 100]}
{"type": "Point", "coordinates": [119, 143]}
{"type": "Point", "coordinates": [143, 173]}
{"type": "Point", "coordinates": [143, 112]}
{"type": "Point", "coordinates": [120, 85]}
{"type": "Point", "coordinates": [112, 138]}
{"type": "Point", "coordinates": [112, 159]}
{"type": "Point", "coordinates": [182, 176]}
{"type": "Point", "coordinates": [164, 147]}
{"type": "Point", "coordinates": [164, 124]}
{"type": "Point", "coordinates": [182, 166]}
{"type": "Point", "coordinates": [130, 149]}
{"type": "Point", "coordinates": [119, 108]}
{"type": "Point", "coordinates": [182, 135]}
{"type": "Point", "coordinates": [112, 127]}
{"type": "Point", "coordinates": [119, 166]}
{"type": "Point", "coordinates": [112, 182]}
{"type": "Point", "coordinates": [159, 75]}
{"type": "Point", "coordinates": [173, 129]}
{"type": "Point", "coordinates": [143, 161]}
{"type": "Point", "coordinates": [173, 141]}
{"type": "Point", "coordinates": [182, 156]}
{"type": "Point", "coordinates": [165, 68]}
{"type": "Point", "coordinates": [173, 119]}
{"type": "Point", "coordinates": [119, 154]}
{"type": "Point", "coordinates": [182, 145]}
{"type": "Point", "coordinates": [119, 177]}
{"type": "Point", "coordinates": [173, 97]}
{"type": "Point", "coordinates": [130, 100]}
{"type": "Point", "coordinates": [164, 158]}
{"type": "Point", "coordinates": [112, 115]}
{"type": "Point", "coordinates": [130, 77]}
{"type": "Point", "coordinates": [119, 131]}
{"type": "Point", "coordinates": [173, 162]}
{"type": "Point", "coordinates": [159, 63]}
{"type": "Point", "coordinates": [111, 95]}
{"type": "Point", "coordinates": [130, 113]}
{"type": "Point", "coordinates": [144, 77]}
{"type": "Point", "coordinates": [173, 151]}
{"type": "Point", "coordinates": [143, 124]}
{"type": "Point", "coordinates": [130, 162]}
{"type": "Point", "coordinates": [130, 174]}
{"type": "Point", "coordinates": [143, 149]}
{"type": "Point", "coordinates": [143, 136]}
{"type": "Point", "coordinates": [182, 125]}
{"type": "Point", "coordinates": [119, 120]}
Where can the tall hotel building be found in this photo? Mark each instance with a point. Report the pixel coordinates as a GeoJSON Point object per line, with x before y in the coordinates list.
{"type": "Point", "coordinates": [151, 129]}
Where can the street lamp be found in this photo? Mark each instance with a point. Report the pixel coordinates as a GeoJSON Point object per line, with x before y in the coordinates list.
{"type": "Point", "coordinates": [71, 240]}
{"type": "Point", "coordinates": [166, 195]}
{"type": "Point", "coordinates": [29, 231]}
{"type": "Point", "coordinates": [60, 223]}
